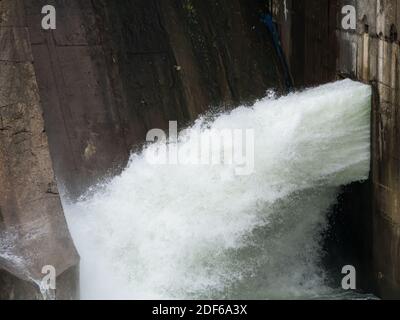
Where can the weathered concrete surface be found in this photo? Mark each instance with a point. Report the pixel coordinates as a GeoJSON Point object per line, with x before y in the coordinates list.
{"type": "Point", "coordinates": [308, 33]}
{"type": "Point", "coordinates": [113, 70]}
{"type": "Point", "coordinates": [33, 231]}
{"type": "Point", "coordinates": [374, 52]}
{"type": "Point", "coordinates": [319, 50]}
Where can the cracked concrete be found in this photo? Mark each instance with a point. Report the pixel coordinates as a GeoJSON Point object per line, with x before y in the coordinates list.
{"type": "Point", "coordinates": [26, 175]}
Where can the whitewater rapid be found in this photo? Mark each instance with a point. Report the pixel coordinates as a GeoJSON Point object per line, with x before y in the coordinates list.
{"type": "Point", "coordinates": [200, 231]}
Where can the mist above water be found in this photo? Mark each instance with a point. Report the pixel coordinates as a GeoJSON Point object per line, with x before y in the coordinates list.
{"type": "Point", "coordinates": [200, 231]}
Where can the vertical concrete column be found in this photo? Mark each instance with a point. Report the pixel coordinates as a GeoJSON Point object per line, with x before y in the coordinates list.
{"type": "Point", "coordinates": [376, 56]}
{"type": "Point", "coordinates": [33, 231]}
{"type": "Point", "coordinates": [386, 156]}
{"type": "Point", "coordinates": [372, 51]}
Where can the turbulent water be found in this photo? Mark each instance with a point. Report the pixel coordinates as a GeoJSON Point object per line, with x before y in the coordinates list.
{"type": "Point", "coordinates": [201, 231]}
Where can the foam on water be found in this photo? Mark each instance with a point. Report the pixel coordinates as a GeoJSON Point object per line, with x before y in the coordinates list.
{"type": "Point", "coordinates": [158, 232]}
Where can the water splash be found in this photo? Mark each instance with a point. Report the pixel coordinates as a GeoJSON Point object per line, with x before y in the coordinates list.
{"type": "Point", "coordinates": [158, 232]}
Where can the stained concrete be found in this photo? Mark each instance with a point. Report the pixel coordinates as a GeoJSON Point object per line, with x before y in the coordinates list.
{"type": "Point", "coordinates": [113, 70]}
{"type": "Point", "coordinates": [33, 231]}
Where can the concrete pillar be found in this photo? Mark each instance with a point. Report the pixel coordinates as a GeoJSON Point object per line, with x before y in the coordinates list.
{"type": "Point", "coordinates": [33, 231]}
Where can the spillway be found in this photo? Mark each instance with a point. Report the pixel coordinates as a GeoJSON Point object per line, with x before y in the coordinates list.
{"type": "Point", "coordinates": [201, 231]}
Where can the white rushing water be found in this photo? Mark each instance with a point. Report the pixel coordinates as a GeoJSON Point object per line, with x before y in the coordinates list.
{"type": "Point", "coordinates": [158, 232]}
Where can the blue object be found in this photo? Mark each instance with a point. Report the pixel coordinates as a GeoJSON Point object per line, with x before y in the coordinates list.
{"type": "Point", "coordinates": [270, 24]}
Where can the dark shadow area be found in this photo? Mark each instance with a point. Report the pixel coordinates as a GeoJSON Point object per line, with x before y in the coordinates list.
{"type": "Point", "coordinates": [349, 236]}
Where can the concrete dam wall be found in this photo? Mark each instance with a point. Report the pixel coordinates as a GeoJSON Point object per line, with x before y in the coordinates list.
{"type": "Point", "coordinates": [320, 50]}
{"type": "Point", "coordinates": [77, 100]}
